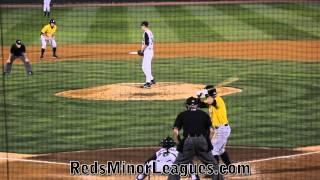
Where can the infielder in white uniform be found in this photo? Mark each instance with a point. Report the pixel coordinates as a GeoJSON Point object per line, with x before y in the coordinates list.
{"type": "Point", "coordinates": [46, 7]}
{"type": "Point", "coordinates": [147, 52]}
{"type": "Point", "coordinates": [164, 156]}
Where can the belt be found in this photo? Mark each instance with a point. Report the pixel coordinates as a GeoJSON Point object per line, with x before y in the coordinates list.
{"type": "Point", "coordinates": [216, 127]}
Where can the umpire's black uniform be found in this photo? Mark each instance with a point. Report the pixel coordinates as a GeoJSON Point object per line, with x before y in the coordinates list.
{"type": "Point", "coordinates": [18, 50]}
{"type": "Point", "coordinates": [196, 125]}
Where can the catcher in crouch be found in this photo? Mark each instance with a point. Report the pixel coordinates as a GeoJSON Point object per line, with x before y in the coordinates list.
{"type": "Point", "coordinates": [164, 156]}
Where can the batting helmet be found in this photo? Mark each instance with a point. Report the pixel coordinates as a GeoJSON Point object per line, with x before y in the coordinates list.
{"type": "Point", "coordinates": [52, 21]}
{"type": "Point", "coordinates": [167, 143]}
{"type": "Point", "coordinates": [212, 91]}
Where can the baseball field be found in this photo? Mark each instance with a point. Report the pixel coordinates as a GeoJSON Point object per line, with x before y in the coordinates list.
{"type": "Point", "coordinates": [86, 105]}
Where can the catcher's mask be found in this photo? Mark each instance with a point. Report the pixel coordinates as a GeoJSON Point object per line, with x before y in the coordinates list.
{"type": "Point", "coordinates": [212, 91]}
{"type": "Point", "coordinates": [192, 103]}
{"type": "Point", "coordinates": [167, 143]}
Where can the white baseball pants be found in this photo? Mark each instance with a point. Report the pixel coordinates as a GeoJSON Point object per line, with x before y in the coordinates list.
{"type": "Point", "coordinates": [220, 139]}
{"type": "Point", "coordinates": [51, 41]}
{"type": "Point", "coordinates": [146, 64]}
{"type": "Point", "coordinates": [46, 5]}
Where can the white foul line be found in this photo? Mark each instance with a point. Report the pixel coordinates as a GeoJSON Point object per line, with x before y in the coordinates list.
{"type": "Point", "coordinates": [280, 157]}
{"type": "Point", "coordinates": [34, 161]}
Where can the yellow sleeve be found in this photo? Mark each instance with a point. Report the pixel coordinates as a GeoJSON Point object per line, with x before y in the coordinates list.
{"type": "Point", "coordinates": [222, 105]}
{"type": "Point", "coordinates": [44, 29]}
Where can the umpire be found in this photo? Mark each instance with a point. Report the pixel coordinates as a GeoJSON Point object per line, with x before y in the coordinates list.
{"type": "Point", "coordinates": [18, 50]}
{"type": "Point", "coordinates": [197, 132]}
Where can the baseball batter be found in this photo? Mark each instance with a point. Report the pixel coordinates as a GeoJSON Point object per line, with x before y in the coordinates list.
{"type": "Point", "coordinates": [147, 53]}
{"type": "Point", "coordinates": [46, 7]}
{"type": "Point", "coordinates": [218, 114]}
{"type": "Point", "coordinates": [48, 35]}
{"type": "Point", "coordinates": [164, 156]}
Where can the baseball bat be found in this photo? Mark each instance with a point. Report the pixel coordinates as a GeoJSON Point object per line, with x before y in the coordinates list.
{"type": "Point", "coordinates": [227, 81]}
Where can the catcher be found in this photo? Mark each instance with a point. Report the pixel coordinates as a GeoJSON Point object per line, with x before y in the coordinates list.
{"type": "Point", "coordinates": [218, 114]}
{"type": "Point", "coordinates": [164, 156]}
{"type": "Point", "coordinates": [48, 35]}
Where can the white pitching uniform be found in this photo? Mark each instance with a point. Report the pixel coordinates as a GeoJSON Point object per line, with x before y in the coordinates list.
{"type": "Point", "coordinates": [46, 5]}
{"type": "Point", "coordinates": [148, 55]}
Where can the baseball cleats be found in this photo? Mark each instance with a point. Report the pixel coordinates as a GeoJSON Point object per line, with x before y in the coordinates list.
{"type": "Point", "coordinates": [153, 82]}
{"type": "Point", "coordinates": [146, 85]}
{"type": "Point", "coordinates": [41, 57]}
{"type": "Point", "coordinates": [55, 56]}
{"type": "Point", "coordinates": [30, 73]}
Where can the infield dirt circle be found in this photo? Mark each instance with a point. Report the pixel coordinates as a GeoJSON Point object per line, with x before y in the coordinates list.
{"type": "Point", "coordinates": [132, 91]}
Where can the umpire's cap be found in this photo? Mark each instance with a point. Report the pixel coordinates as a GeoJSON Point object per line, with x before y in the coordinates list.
{"type": "Point", "coordinates": [167, 142]}
{"type": "Point", "coordinates": [145, 23]}
{"type": "Point", "coordinates": [52, 21]}
{"type": "Point", "coordinates": [192, 101]}
{"type": "Point", "coordinates": [212, 91]}
{"type": "Point", "coordinates": [18, 41]}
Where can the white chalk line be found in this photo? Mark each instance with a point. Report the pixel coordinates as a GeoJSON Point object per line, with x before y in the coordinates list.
{"type": "Point", "coordinates": [34, 161]}
{"type": "Point", "coordinates": [280, 157]}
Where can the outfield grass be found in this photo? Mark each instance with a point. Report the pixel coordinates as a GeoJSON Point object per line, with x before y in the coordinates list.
{"type": "Point", "coordinates": [277, 107]}
{"type": "Point", "coordinates": [233, 22]}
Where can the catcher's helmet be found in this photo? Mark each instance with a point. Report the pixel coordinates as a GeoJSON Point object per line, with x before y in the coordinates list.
{"type": "Point", "coordinates": [167, 142]}
{"type": "Point", "coordinates": [212, 91]}
{"type": "Point", "coordinates": [145, 23]}
{"type": "Point", "coordinates": [52, 21]}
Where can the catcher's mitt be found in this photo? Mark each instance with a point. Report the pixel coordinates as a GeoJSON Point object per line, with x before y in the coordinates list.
{"type": "Point", "coordinates": [140, 52]}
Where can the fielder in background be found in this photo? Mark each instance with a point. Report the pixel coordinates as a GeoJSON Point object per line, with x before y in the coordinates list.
{"type": "Point", "coordinates": [18, 50]}
{"type": "Point", "coordinates": [48, 35]}
{"type": "Point", "coordinates": [46, 7]}
{"type": "Point", "coordinates": [147, 53]}
{"type": "Point", "coordinates": [218, 114]}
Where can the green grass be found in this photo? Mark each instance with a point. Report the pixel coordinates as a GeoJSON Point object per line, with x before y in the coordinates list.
{"type": "Point", "coordinates": [233, 22]}
{"type": "Point", "coordinates": [277, 108]}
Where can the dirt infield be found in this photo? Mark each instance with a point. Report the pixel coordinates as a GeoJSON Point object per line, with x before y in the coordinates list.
{"type": "Point", "coordinates": [246, 50]}
{"type": "Point", "coordinates": [132, 92]}
{"type": "Point", "coordinates": [266, 163]}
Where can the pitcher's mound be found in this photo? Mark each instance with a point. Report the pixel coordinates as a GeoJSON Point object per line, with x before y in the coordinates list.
{"type": "Point", "coordinates": [132, 91]}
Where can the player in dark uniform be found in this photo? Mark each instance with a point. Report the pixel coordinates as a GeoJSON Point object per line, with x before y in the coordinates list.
{"type": "Point", "coordinates": [18, 50]}
{"type": "Point", "coordinates": [197, 132]}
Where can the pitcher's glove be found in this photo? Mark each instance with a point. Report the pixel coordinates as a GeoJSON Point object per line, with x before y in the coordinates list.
{"type": "Point", "coordinates": [140, 52]}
